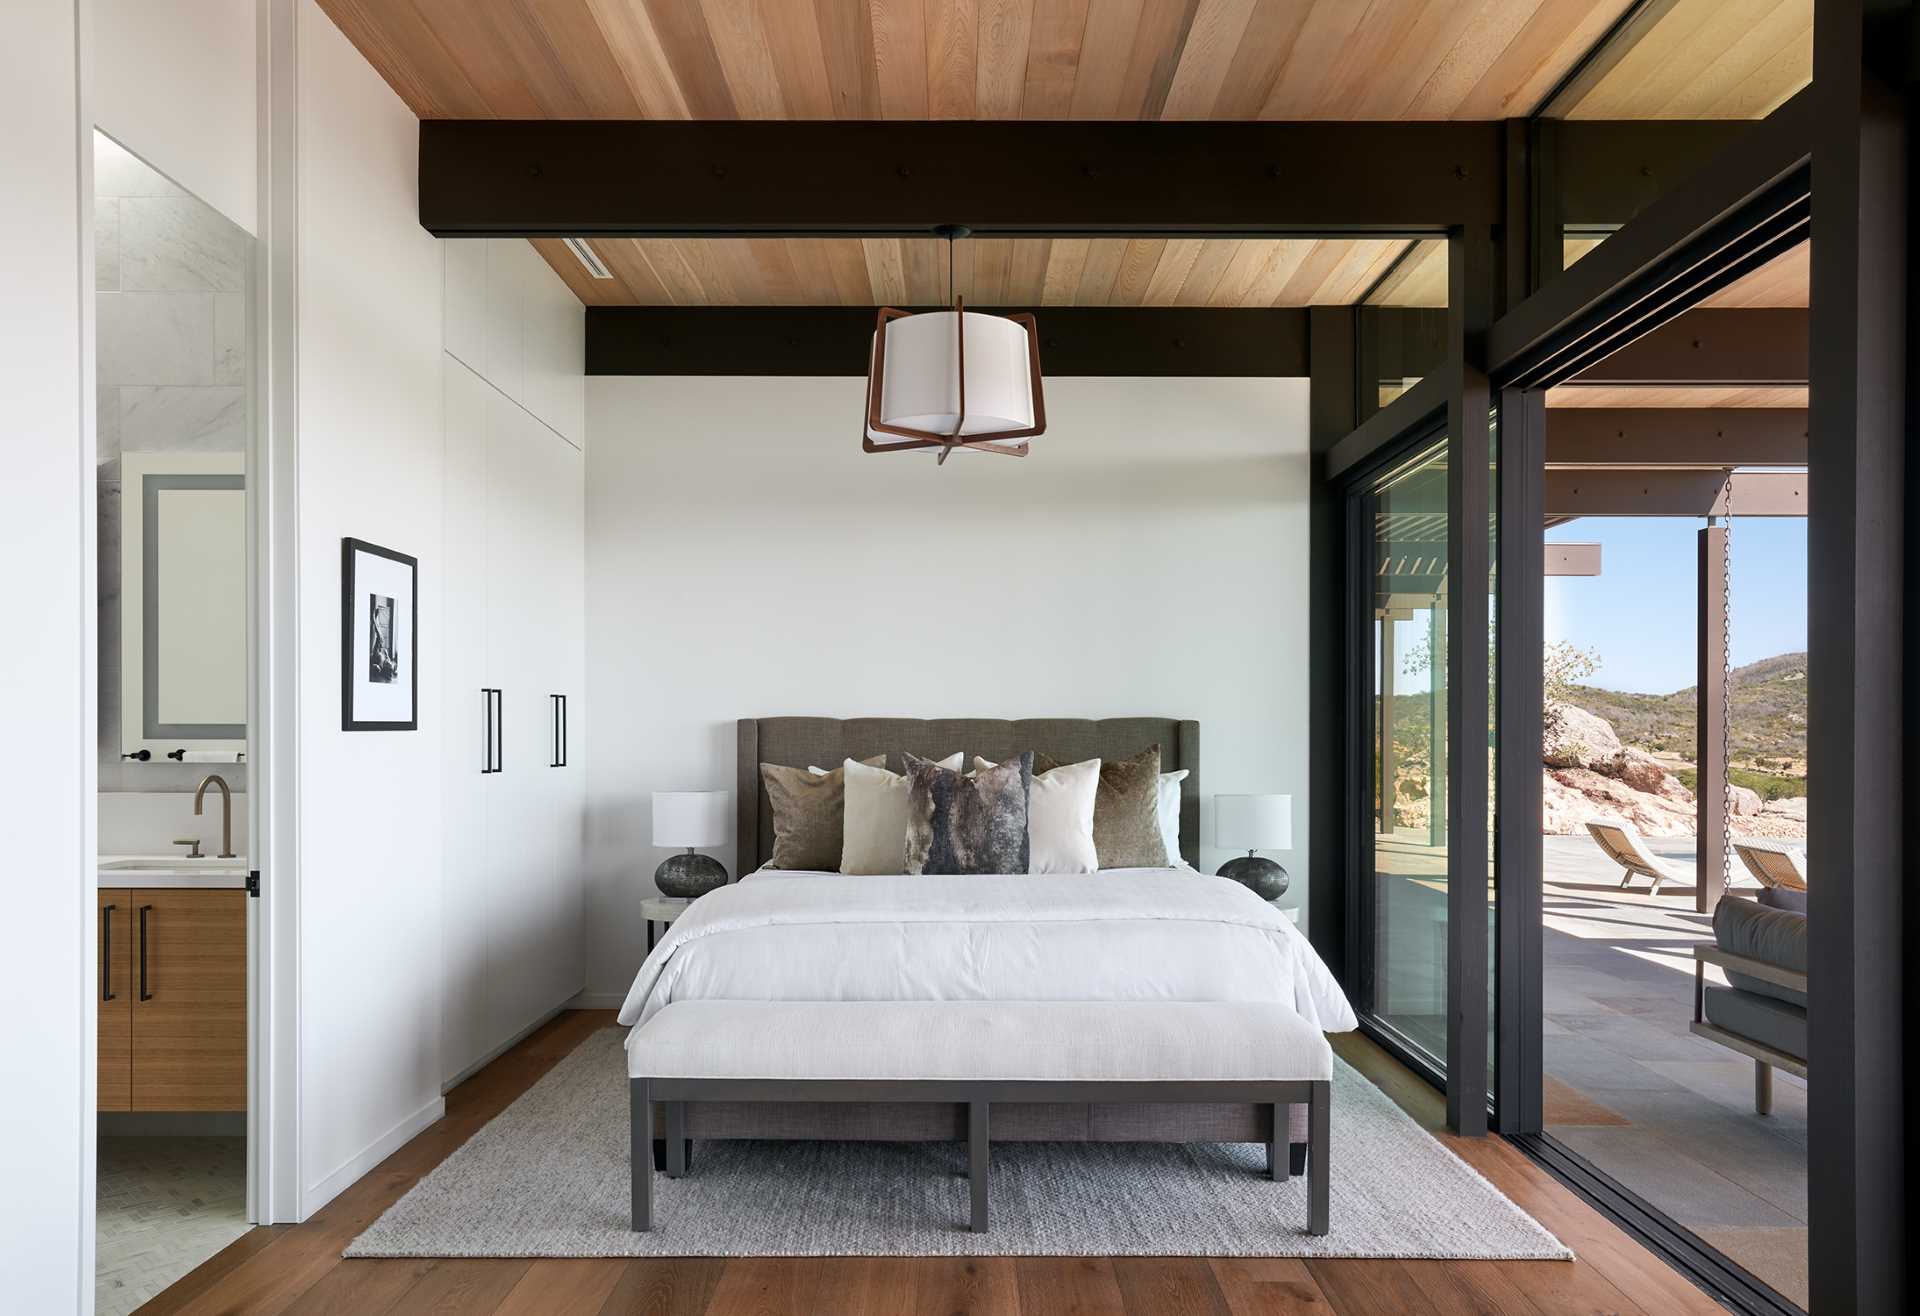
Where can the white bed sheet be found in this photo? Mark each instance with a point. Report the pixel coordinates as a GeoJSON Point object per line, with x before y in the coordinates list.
{"type": "Point", "coordinates": [1153, 934]}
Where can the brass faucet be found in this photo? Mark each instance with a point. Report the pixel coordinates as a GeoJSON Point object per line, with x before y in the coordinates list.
{"type": "Point", "coordinates": [226, 810]}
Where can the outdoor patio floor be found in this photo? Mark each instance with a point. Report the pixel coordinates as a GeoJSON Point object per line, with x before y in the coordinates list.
{"type": "Point", "coordinates": [1668, 1115]}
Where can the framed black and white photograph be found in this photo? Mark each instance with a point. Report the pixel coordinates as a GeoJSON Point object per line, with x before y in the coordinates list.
{"type": "Point", "coordinates": [380, 639]}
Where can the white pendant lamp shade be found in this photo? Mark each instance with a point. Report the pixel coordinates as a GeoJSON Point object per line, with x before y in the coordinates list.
{"type": "Point", "coordinates": [919, 388]}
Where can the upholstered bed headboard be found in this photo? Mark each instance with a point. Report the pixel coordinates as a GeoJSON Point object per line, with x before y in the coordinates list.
{"type": "Point", "coordinates": [799, 742]}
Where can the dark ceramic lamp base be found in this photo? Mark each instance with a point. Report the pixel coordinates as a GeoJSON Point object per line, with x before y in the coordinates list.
{"type": "Point", "coordinates": [687, 876]}
{"type": "Point", "coordinates": [1263, 877]}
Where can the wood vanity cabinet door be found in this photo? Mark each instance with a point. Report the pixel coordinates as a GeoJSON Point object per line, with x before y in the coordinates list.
{"type": "Point", "coordinates": [115, 979]}
{"type": "Point", "coordinates": [190, 1033]}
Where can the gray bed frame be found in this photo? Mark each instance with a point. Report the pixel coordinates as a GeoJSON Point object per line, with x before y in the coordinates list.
{"type": "Point", "coordinates": [883, 1117]}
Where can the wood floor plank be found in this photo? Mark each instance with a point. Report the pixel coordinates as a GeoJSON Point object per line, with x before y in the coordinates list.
{"type": "Point", "coordinates": [464, 1286]}
{"type": "Point", "coordinates": [1454, 1289]}
{"type": "Point", "coordinates": [362, 1288]}
{"type": "Point", "coordinates": [1369, 1287]}
{"type": "Point", "coordinates": [965, 1286]}
{"type": "Point", "coordinates": [564, 1287]}
{"type": "Point", "coordinates": [203, 1276]}
{"type": "Point", "coordinates": [1169, 1286]}
{"type": "Point", "coordinates": [1270, 1286]}
{"type": "Point", "coordinates": [665, 1286]}
{"type": "Point", "coordinates": [1068, 1286]}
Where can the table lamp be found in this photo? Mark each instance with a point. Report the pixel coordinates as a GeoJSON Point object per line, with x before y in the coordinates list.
{"type": "Point", "coordinates": [692, 819]}
{"type": "Point", "coordinates": [1250, 823]}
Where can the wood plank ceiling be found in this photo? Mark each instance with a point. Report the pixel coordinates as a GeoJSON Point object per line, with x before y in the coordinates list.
{"type": "Point", "coordinates": [1052, 59]}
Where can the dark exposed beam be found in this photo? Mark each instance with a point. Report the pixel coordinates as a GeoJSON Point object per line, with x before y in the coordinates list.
{"type": "Point", "coordinates": [1713, 345]}
{"type": "Point", "coordinates": [1750, 198]}
{"type": "Point", "coordinates": [1331, 395]}
{"type": "Point", "coordinates": [554, 178]}
{"type": "Point", "coordinates": [1610, 171]}
{"type": "Point", "coordinates": [1676, 436]}
{"type": "Point", "coordinates": [1425, 402]}
{"type": "Point", "coordinates": [1675, 493]}
{"type": "Point", "coordinates": [836, 340]}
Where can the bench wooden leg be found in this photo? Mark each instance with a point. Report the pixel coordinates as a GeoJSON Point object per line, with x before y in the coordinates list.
{"type": "Point", "coordinates": [977, 1161]}
{"type": "Point", "coordinates": [1277, 1149]}
{"type": "Point", "coordinates": [676, 1139]}
{"type": "Point", "coordinates": [640, 1096]}
{"type": "Point", "coordinates": [1319, 1180]}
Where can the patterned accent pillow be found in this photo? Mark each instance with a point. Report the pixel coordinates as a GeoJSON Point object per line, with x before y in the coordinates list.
{"type": "Point", "coordinates": [809, 812]}
{"type": "Point", "coordinates": [968, 824]}
{"type": "Point", "coordinates": [1126, 810]}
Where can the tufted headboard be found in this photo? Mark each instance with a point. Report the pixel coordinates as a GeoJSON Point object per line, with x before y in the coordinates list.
{"type": "Point", "coordinates": [800, 742]}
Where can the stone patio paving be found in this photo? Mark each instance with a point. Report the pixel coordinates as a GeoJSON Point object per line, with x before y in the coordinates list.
{"type": "Point", "coordinates": [1667, 1114]}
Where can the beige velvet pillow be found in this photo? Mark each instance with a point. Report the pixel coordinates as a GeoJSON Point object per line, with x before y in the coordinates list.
{"type": "Point", "coordinates": [1126, 810]}
{"type": "Point", "coordinates": [808, 811]}
{"type": "Point", "coordinates": [875, 828]}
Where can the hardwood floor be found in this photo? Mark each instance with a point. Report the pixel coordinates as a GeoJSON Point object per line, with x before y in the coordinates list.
{"type": "Point", "coordinates": [298, 1268]}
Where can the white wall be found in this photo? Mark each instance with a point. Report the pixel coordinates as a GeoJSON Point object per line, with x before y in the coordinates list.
{"type": "Point", "coordinates": [46, 665]}
{"type": "Point", "coordinates": [369, 466]}
{"type": "Point", "coordinates": [746, 558]}
{"type": "Point", "coordinates": [174, 80]}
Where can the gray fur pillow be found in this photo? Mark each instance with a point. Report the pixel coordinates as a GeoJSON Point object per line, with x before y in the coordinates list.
{"type": "Point", "coordinates": [1126, 811]}
{"type": "Point", "coordinates": [968, 824]}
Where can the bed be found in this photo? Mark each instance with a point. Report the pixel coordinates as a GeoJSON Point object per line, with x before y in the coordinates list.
{"type": "Point", "coordinates": [1120, 935]}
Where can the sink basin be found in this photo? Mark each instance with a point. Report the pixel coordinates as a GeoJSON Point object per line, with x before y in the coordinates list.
{"type": "Point", "coordinates": [173, 864]}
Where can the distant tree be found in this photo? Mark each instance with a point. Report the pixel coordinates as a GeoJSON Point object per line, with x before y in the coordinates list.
{"type": "Point", "coordinates": [1564, 665]}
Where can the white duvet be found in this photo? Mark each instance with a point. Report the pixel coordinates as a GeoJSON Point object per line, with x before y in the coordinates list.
{"type": "Point", "coordinates": [1150, 934]}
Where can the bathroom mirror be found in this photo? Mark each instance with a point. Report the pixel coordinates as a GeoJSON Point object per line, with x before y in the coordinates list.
{"type": "Point", "coordinates": [183, 605]}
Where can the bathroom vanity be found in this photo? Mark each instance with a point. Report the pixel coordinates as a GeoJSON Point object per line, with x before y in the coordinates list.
{"type": "Point", "coordinates": [172, 990]}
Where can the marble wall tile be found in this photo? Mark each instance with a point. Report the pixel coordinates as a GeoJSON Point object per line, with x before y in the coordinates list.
{"type": "Point", "coordinates": [117, 172]}
{"type": "Point", "coordinates": [230, 341]}
{"type": "Point", "coordinates": [154, 338]}
{"type": "Point", "coordinates": [106, 422]}
{"type": "Point", "coordinates": [168, 418]}
{"type": "Point", "coordinates": [179, 244]}
{"type": "Point", "coordinates": [106, 245]}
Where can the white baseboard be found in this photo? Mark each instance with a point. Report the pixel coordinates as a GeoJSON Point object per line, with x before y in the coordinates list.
{"type": "Point", "coordinates": [597, 1001]}
{"type": "Point", "coordinates": [357, 1166]}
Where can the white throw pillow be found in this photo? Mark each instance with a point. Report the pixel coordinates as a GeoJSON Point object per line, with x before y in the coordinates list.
{"type": "Point", "coordinates": [874, 835]}
{"type": "Point", "coordinates": [1060, 818]}
{"type": "Point", "coordinates": [1169, 803]}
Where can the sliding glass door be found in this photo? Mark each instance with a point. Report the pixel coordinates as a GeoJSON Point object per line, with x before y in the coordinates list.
{"type": "Point", "coordinates": [1403, 926]}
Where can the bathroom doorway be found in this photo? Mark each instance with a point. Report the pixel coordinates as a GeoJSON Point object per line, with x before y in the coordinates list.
{"type": "Point", "coordinates": [175, 422]}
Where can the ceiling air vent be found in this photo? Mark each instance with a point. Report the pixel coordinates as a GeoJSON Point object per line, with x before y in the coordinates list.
{"type": "Point", "coordinates": [584, 253]}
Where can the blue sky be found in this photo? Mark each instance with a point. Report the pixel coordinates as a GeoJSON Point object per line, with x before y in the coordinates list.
{"type": "Point", "coordinates": [1638, 614]}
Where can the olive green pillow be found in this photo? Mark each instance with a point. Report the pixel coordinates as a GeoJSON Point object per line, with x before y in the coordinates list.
{"type": "Point", "coordinates": [809, 815]}
{"type": "Point", "coordinates": [1126, 810]}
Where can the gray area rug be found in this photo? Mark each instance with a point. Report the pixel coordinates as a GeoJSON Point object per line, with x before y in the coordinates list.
{"type": "Point", "coordinates": [548, 1178]}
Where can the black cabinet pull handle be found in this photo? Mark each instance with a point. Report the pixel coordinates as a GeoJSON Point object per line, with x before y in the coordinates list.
{"type": "Point", "coordinates": [558, 706]}
{"type": "Point", "coordinates": [492, 716]}
{"type": "Point", "coordinates": [106, 953]}
{"type": "Point", "coordinates": [499, 730]}
{"type": "Point", "coordinates": [563, 731]}
{"type": "Point", "coordinates": [145, 995]}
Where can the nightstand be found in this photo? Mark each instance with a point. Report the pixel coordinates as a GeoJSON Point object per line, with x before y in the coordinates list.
{"type": "Point", "coordinates": [661, 910]}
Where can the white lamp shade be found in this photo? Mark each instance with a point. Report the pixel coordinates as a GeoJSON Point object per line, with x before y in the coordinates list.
{"type": "Point", "coordinates": [691, 820]}
{"type": "Point", "coordinates": [1253, 822]}
{"type": "Point", "coordinates": [920, 387]}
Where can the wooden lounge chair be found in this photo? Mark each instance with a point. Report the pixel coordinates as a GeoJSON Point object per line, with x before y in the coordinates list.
{"type": "Point", "coordinates": [1623, 845]}
{"type": "Point", "coordinates": [1776, 865]}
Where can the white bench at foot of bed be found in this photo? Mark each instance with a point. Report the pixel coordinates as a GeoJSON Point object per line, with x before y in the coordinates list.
{"type": "Point", "coordinates": [977, 1053]}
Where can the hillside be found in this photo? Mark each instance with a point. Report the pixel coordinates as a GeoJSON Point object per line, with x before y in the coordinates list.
{"type": "Point", "coordinates": [1769, 716]}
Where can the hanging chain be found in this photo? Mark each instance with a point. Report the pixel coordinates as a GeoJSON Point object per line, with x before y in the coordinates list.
{"type": "Point", "coordinates": [1726, 694]}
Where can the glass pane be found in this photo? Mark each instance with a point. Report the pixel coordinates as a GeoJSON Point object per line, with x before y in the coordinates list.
{"type": "Point", "coordinates": [1409, 752]}
{"type": "Point", "coordinates": [1402, 324]}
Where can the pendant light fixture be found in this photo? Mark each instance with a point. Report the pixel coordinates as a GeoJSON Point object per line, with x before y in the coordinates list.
{"type": "Point", "coordinates": [953, 379]}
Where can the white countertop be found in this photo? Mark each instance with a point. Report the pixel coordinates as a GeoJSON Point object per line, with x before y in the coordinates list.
{"type": "Point", "coordinates": [176, 871]}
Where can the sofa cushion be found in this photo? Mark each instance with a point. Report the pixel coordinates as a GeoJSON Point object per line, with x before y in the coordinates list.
{"type": "Point", "coordinates": [1760, 1019]}
{"type": "Point", "coordinates": [1775, 936]}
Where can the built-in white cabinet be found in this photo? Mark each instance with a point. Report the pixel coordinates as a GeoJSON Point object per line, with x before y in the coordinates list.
{"type": "Point", "coordinates": [515, 663]}
{"type": "Point", "coordinates": [513, 321]}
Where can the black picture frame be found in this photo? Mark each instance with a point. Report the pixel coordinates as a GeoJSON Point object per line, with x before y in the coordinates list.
{"type": "Point", "coordinates": [350, 550]}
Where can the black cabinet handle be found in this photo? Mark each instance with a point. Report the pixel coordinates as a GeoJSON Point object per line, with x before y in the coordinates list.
{"type": "Point", "coordinates": [145, 995]}
{"type": "Point", "coordinates": [491, 710]}
{"type": "Point", "coordinates": [499, 730]}
{"type": "Point", "coordinates": [106, 952]}
{"type": "Point", "coordinates": [558, 707]}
